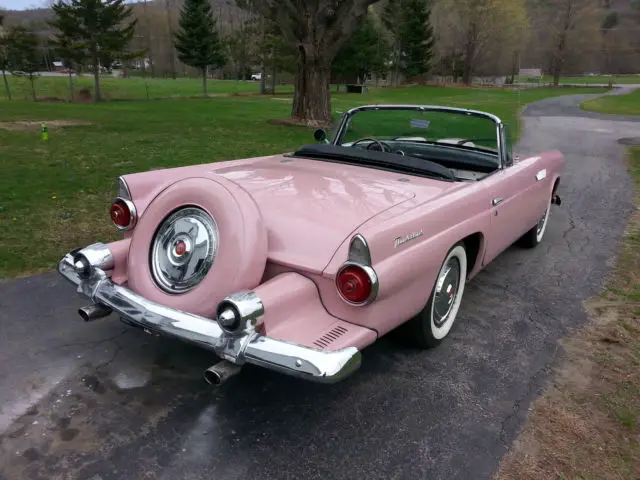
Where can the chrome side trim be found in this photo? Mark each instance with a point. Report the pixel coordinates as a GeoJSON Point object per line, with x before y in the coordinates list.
{"type": "Point", "coordinates": [359, 250]}
{"type": "Point", "coordinates": [123, 189]}
{"type": "Point", "coordinates": [541, 175]}
{"type": "Point", "coordinates": [249, 347]}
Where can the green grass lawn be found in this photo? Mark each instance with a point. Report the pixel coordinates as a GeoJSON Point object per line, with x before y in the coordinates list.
{"type": "Point", "coordinates": [55, 195]}
{"type": "Point", "coordinates": [615, 104]}
{"type": "Point", "coordinates": [586, 80]}
{"type": "Point", "coordinates": [132, 88]}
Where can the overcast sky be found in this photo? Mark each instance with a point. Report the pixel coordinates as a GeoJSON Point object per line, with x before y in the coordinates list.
{"type": "Point", "coordinates": [20, 4]}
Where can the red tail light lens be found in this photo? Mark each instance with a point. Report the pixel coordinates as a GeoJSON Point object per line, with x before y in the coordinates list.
{"type": "Point", "coordinates": [354, 284]}
{"type": "Point", "coordinates": [121, 213]}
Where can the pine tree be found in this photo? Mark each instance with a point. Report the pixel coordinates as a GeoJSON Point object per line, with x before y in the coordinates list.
{"type": "Point", "coordinates": [198, 42]}
{"type": "Point", "coordinates": [95, 29]}
{"type": "Point", "coordinates": [4, 55]}
{"type": "Point", "coordinates": [366, 52]}
{"type": "Point", "coordinates": [417, 37]}
{"type": "Point", "coordinates": [409, 21]}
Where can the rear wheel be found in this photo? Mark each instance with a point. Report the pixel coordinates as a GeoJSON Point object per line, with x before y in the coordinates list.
{"type": "Point", "coordinates": [432, 325]}
{"type": "Point", "coordinates": [533, 237]}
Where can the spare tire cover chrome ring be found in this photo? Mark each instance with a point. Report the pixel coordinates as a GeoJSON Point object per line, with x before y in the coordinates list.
{"type": "Point", "coordinates": [241, 253]}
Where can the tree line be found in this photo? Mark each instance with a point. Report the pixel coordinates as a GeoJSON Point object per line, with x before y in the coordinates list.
{"type": "Point", "coordinates": [318, 41]}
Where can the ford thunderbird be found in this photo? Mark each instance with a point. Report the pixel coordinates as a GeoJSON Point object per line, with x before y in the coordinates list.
{"type": "Point", "coordinates": [297, 262]}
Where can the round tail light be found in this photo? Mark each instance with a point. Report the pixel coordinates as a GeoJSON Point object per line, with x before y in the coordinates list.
{"type": "Point", "coordinates": [122, 213]}
{"type": "Point", "coordinates": [356, 283]}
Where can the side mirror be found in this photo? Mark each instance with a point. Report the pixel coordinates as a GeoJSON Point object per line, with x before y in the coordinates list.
{"type": "Point", "coordinates": [320, 135]}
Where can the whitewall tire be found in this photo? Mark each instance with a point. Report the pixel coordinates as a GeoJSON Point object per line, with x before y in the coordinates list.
{"type": "Point", "coordinates": [434, 323]}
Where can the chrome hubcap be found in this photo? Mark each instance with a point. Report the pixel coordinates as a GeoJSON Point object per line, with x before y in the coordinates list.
{"type": "Point", "coordinates": [446, 291]}
{"type": "Point", "coordinates": [184, 250]}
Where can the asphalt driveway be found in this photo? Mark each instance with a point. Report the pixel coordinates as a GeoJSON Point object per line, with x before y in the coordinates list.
{"type": "Point", "coordinates": [101, 401]}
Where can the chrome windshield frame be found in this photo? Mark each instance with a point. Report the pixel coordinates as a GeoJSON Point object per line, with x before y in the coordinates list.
{"type": "Point", "coordinates": [503, 156]}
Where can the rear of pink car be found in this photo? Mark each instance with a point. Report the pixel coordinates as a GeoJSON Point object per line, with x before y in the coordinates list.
{"type": "Point", "coordinates": [234, 256]}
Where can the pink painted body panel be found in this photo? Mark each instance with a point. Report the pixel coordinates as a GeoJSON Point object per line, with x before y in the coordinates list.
{"type": "Point", "coordinates": [309, 211]}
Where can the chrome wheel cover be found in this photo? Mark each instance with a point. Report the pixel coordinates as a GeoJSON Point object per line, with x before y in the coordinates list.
{"type": "Point", "coordinates": [446, 291]}
{"type": "Point", "coordinates": [183, 250]}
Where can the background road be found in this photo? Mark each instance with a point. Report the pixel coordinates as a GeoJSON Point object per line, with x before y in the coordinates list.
{"type": "Point", "coordinates": [101, 401]}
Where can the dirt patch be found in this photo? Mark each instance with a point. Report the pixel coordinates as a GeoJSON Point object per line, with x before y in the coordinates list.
{"type": "Point", "coordinates": [29, 125]}
{"type": "Point", "coordinates": [293, 122]}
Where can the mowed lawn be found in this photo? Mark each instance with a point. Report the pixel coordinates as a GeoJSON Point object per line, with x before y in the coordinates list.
{"type": "Point", "coordinates": [132, 88]}
{"type": "Point", "coordinates": [615, 104]}
{"type": "Point", "coordinates": [55, 195]}
{"type": "Point", "coordinates": [587, 80]}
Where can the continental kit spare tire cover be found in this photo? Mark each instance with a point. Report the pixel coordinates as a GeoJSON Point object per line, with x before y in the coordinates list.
{"type": "Point", "coordinates": [198, 241]}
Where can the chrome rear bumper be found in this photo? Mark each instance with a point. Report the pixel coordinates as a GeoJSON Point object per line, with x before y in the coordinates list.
{"type": "Point", "coordinates": [246, 346]}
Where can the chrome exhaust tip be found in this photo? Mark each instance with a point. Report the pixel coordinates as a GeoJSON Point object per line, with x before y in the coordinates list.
{"type": "Point", "coordinates": [221, 372]}
{"type": "Point", "coordinates": [94, 312]}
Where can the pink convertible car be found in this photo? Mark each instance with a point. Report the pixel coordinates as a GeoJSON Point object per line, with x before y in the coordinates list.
{"type": "Point", "coordinates": [297, 262]}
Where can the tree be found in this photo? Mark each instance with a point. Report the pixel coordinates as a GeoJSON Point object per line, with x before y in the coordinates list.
{"type": "Point", "coordinates": [98, 29]}
{"type": "Point", "coordinates": [4, 55]}
{"type": "Point", "coordinates": [23, 54]}
{"type": "Point", "coordinates": [366, 52]}
{"type": "Point", "coordinates": [409, 21]}
{"type": "Point", "coordinates": [570, 25]}
{"type": "Point", "coordinates": [481, 32]}
{"type": "Point", "coordinates": [197, 42]}
{"type": "Point", "coordinates": [70, 50]}
{"type": "Point", "coordinates": [317, 29]}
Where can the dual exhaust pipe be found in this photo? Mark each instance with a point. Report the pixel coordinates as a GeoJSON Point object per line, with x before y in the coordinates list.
{"type": "Point", "coordinates": [215, 375]}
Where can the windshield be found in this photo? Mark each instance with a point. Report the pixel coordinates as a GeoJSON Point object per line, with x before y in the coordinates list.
{"type": "Point", "coordinates": [415, 126]}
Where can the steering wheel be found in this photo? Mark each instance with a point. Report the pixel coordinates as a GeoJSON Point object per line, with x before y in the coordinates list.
{"type": "Point", "coordinates": [373, 140]}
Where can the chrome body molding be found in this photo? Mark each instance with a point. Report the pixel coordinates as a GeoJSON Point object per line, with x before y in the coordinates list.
{"type": "Point", "coordinates": [247, 346]}
{"type": "Point", "coordinates": [123, 189]}
{"type": "Point", "coordinates": [359, 250]}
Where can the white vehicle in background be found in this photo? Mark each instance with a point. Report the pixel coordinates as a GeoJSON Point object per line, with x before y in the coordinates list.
{"type": "Point", "coordinates": [256, 76]}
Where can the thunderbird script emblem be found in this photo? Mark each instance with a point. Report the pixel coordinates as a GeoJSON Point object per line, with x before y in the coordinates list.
{"type": "Point", "coordinates": [407, 238]}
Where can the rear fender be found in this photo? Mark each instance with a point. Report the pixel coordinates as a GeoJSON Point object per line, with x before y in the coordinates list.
{"type": "Point", "coordinates": [293, 312]}
{"type": "Point", "coordinates": [406, 277]}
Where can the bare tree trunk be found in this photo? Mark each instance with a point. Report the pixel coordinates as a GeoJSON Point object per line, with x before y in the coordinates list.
{"type": "Point", "coordinates": [274, 69]}
{"type": "Point", "coordinates": [172, 57]}
{"type": "Point", "coordinates": [70, 85]}
{"type": "Point", "coordinates": [470, 53]}
{"type": "Point", "coordinates": [311, 96]}
{"type": "Point", "coordinates": [33, 87]}
{"type": "Point", "coordinates": [6, 84]}
{"type": "Point", "coordinates": [204, 81]}
{"type": "Point", "coordinates": [263, 69]}
{"type": "Point", "coordinates": [96, 77]}
{"type": "Point", "coordinates": [148, 27]}
{"type": "Point", "coordinates": [558, 61]}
